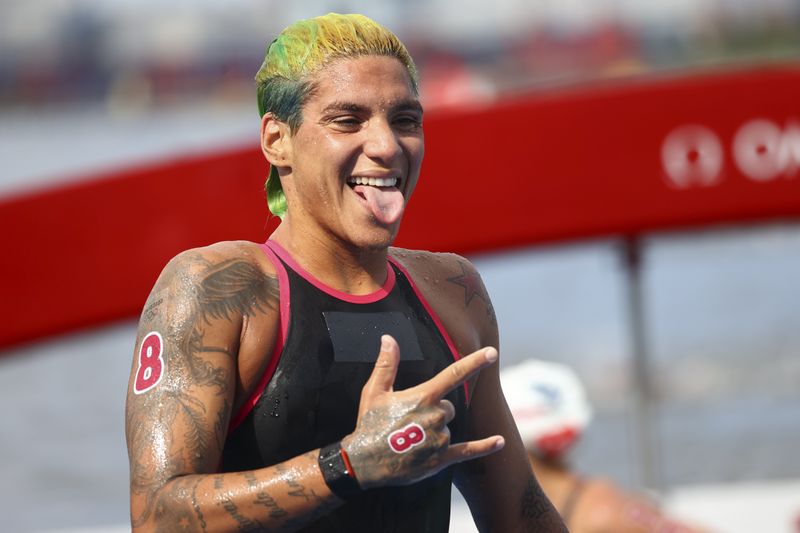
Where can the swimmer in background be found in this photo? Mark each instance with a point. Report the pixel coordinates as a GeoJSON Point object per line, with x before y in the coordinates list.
{"type": "Point", "coordinates": [551, 411]}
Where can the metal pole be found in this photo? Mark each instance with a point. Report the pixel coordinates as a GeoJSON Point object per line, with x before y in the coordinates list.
{"type": "Point", "coordinates": [645, 401]}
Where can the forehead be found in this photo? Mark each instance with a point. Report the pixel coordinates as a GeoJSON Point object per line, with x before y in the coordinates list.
{"type": "Point", "coordinates": [368, 80]}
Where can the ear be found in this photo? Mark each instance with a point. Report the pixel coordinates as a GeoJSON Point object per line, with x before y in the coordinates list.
{"type": "Point", "coordinates": [276, 141]}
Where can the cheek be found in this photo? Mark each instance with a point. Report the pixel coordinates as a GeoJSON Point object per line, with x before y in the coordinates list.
{"type": "Point", "coordinates": [334, 154]}
{"type": "Point", "coordinates": [415, 149]}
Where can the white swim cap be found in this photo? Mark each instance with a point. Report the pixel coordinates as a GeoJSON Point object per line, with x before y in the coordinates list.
{"type": "Point", "coordinates": [549, 406]}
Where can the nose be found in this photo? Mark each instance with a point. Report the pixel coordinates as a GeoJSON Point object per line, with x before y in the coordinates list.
{"type": "Point", "coordinates": [382, 142]}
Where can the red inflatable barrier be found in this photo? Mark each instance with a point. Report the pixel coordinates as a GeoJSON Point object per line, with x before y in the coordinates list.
{"type": "Point", "coordinates": [614, 159]}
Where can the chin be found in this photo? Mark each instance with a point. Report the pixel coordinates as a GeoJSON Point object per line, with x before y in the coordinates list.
{"type": "Point", "coordinates": [377, 238]}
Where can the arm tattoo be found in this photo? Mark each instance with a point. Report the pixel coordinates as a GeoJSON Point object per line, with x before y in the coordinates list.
{"type": "Point", "coordinates": [491, 314]}
{"type": "Point", "coordinates": [196, 436]}
{"type": "Point", "coordinates": [197, 507]}
{"type": "Point", "coordinates": [262, 498]}
{"type": "Point", "coordinates": [245, 524]}
{"type": "Point", "coordinates": [152, 309]}
{"type": "Point", "coordinates": [201, 371]}
{"type": "Point", "coordinates": [473, 286]}
{"type": "Point", "coordinates": [533, 503]}
{"type": "Point", "coordinates": [234, 288]}
{"type": "Point", "coordinates": [537, 512]}
{"type": "Point", "coordinates": [220, 427]}
{"type": "Point", "coordinates": [298, 490]}
{"type": "Point", "coordinates": [471, 283]}
{"type": "Point", "coordinates": [185, 516]}
{"type": "Point", "coordinates": [225, 291]}
{"type": "Point", "coordinates": [226, 502]}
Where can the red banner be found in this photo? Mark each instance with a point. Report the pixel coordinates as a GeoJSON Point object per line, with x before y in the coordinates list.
{"type": "Point", "coordinates": [657, 154]}
{"type": "Point", "coordinates": [613, 159]}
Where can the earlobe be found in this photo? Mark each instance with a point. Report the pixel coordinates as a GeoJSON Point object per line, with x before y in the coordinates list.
{"type": "Point", "coordinates": [275, 142]}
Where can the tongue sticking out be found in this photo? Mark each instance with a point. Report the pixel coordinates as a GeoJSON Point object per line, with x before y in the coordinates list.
{"type": "Point", "coordinates": [386, 203]}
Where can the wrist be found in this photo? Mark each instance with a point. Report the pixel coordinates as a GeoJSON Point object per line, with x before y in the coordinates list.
{"type": "Point", "coordinates": [337, 471]}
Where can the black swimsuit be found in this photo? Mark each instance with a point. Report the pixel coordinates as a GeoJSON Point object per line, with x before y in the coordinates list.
{"type": "Point", "coordinates": [309, 395]}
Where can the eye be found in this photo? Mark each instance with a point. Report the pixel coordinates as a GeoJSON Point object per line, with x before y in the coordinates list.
{"type": "Point", "coordinates": [346, 123]}
{"type": "Point", "coordinates": [408, 122]}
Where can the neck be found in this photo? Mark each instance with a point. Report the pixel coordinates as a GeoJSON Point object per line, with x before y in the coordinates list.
{"type": "Point", "coordinates": [340, 265]}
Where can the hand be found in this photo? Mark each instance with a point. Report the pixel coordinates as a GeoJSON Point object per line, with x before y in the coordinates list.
{"type": "Point", "coordinates": [402, 437]}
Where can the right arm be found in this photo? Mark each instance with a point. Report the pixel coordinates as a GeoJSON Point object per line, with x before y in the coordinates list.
{"type": "Point", "coordinates": [180, 398]}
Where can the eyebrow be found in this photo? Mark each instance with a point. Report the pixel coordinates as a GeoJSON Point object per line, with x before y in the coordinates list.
{"type": "Point", "coordinates": [403, 105]}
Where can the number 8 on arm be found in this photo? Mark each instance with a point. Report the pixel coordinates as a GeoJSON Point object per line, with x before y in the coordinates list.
{"type": "Point", "coordinates": [151, 363]}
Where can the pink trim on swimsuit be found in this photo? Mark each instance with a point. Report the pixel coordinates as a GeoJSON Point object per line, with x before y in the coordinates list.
{"type": "Point", "coordinates": [285, 308]}
{"type": "Point", "coordinates": [378, 295]}
{"type": "Point", "coordinates": [434, 316]}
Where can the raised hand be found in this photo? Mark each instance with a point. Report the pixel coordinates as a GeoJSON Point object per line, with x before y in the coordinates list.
{"type": "Point", "coordinates": [402, 436]}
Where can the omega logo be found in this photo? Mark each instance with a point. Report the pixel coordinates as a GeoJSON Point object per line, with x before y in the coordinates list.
{"type": "Point", "coordinates": [692, 155]}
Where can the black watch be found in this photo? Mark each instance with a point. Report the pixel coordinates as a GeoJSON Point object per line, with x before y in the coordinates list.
{"type": "Point", "coordinates": [338, 473]}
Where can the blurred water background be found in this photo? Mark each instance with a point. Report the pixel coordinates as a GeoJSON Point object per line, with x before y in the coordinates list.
{"type": "Point", "coordinates": [88, 85]}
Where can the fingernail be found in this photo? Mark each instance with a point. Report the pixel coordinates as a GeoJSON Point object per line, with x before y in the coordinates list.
{"type": "Point", "coordinates": [491, 355]}
{"type": "Point", "coordinates": [500, 443]}
{"type": "Point", "coordinates": [385, 342]}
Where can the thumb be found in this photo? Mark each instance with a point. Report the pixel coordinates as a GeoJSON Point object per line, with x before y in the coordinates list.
{"type": "Point", "coordinates": [382, 378]}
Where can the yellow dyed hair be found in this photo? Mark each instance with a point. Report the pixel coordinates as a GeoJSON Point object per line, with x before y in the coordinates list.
{"type": "Point", "coordinates": [302, 49]}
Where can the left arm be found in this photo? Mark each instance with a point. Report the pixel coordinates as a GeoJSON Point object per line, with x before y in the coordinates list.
{"type": "Point", "coordinates": [501, 489]}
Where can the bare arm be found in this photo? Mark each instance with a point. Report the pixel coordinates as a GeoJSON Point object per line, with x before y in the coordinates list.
{"type": "Point", "coordinates": [180, 398]}
{"type": "Point", "coordinates": [502, 492]}
{"type": "Point", "coordinates": [182, 389]}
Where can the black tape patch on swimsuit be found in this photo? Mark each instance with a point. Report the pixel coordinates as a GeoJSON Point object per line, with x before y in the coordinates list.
{"type": "Point", "coordinates": [356, 337]}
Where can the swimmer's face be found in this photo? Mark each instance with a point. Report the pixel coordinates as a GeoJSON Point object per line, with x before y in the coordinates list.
{"type": "Point", "coordinates": [356, 156]}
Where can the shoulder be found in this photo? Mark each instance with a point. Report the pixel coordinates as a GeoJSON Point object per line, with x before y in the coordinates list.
{"type": "Point", "coordinates": [224, 280]}
{"type": "Point", "coordinates": [445, 276]}
{"type": "Point", "coordinates": [455, 291]}
{"type": "Point", "coordinates": [221, 265]}
{"type": "Point", "coordinates": [422, 262]}
{"type": "Point", "coordinates": [198, 261]}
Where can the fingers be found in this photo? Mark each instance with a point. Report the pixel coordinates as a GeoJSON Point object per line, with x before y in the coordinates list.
{"type": "Point", "coordinates": [458, 372]}
{"type": "Point", "coordinates": [449, 410]}
{"type": "Point", "coordinates": [464, 451]}
{"type": "Point", "coordinates": [382, 378]}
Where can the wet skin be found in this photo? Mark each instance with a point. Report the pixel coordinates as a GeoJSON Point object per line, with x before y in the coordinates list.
{"type": "Point", "coordinates": [216, 309]}
{"type": "Point", "coordinates": [347, 131]}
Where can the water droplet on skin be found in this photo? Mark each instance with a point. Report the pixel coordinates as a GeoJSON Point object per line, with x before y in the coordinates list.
{"type": "Point", "coordinates": [276, 406]}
